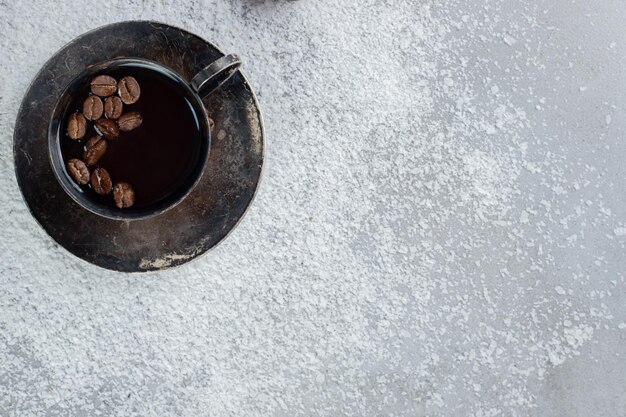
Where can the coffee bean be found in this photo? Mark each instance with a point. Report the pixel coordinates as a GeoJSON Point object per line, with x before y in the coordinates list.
{"type": "Point", "coordinates": [103, 85]}
{"type": "Point", "coordinates": [113, 107]}
{"type": "Point", "coordinates": [128, 89]}
{"type": "Point", "coordinates": [211, 124]}
{"type": "Point", "coordinates": [124, 195]}
{"type": "Point", "coordinates": [78, 170]}
{"type": "Point", "coordinates": [130, 121]}
{"type": "Point", "coordinates": [92, 108]}
{"type": "Point", "coordinates": [96, 147]}
{"type": "Point", "coordinates": [101, 181]}
{"type": "Point", "coordinates": [107, 128]}
{"type": "Point", "coordinates": [92, 140]}
{"type": "Point", "coordinates": [76, 126]}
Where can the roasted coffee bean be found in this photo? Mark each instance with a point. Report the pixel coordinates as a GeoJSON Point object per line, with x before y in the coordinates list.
{"type": "Point", "coordinates": [129, 121]}
{"type": "Point", "coordinates": [101, 181]}
{"type": "Point", "coordinates": [96, 147]}
{"type": "Point", "coordinates": [123, 194]}
{"type": "Point", "coordinates": [103, 85]}
{"type": "Point", "coordinates": [128, 89]}
{"type": "Point", "coordinates": [113, 107]}
{"type": "Point", "coordinates": [107, 128]}
{"type": "Point", "coordinates": [211, 123]}
{"type": "Point", "coordinates": [78, 170]}
{"type": "Point", "coordinates": [76, 126]}
{"type": "Point", "coordinates": [92, 108]}
{"type": "Point", "coordinates": [92, 140]}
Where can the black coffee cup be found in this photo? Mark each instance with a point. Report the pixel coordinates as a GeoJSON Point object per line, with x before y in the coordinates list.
{"type": "Point", "coordinates": [202, 84]}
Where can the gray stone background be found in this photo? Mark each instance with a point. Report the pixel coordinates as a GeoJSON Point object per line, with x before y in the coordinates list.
{"type": "Point", "coordinates": [440, 230]}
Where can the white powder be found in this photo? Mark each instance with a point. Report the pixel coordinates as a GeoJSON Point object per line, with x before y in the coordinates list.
{"type": "Point", "coordinates": [620, 231]}
{"type": "Point", "coordinates": [434, 235]}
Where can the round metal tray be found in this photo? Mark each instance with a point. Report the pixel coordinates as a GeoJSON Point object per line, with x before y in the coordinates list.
{"type": "Point", "coordinates": [199, 222]}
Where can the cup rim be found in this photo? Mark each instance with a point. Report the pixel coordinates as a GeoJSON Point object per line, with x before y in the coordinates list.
{"type": "Point", "coordinates": [56, 159]}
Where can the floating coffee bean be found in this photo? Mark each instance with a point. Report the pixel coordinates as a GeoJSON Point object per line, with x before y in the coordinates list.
{"type": "Point", "coordinates": [105, 106]}
{"type": "Point", "coordinates": [92, 140]}
{"type": "Point", "coordinates": [113, 107]}
{"type": "Point", "coordinates": [78, 170]}
{"type": "Point", "coordinates": [101, 181]}
{"type": "Point", "coordinates": [103, 85]}
{"type": "Point", "coordinates": [92, 108]}
{"type": "Point", "coordinates": [128, 89]}
{"type": "Point", "coordinates": [107, 128]}
{"type": "Point", "coordinates": [76, 126]}
{"type": "Point", "coordinates": [123, 194]}
{"type": "Point", "coordinates": [129, 121]}
{"type": "Point", "coordinates": [96, 147]}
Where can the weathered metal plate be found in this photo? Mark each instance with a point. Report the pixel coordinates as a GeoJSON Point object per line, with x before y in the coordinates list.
{"type": "Point", "coordinates": [183, 233]}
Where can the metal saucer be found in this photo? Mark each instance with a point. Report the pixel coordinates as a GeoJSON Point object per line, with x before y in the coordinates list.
{"type": "Point", "coordinates": [199, 222]}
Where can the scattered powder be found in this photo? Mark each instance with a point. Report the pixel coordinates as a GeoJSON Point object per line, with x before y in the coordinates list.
{"type": "Point", "coordinates": [509, 40]}
{"type": "Point", "coordinates": [620, 231]}
{"type": "Point", "coordinates": [431, 236]}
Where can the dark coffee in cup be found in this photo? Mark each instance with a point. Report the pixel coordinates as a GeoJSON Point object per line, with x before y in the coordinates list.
{"type": "Point", "coordinates": [157, 156]}
{"type": "Point", "coordinates": [129, 138]}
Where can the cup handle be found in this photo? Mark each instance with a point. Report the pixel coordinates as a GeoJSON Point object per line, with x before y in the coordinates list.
{"type": "Point", "coordinates": [215, 74]}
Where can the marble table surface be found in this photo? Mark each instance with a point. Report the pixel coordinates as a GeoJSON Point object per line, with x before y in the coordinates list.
{"type": "Point", "coordinates": [440, 228]}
